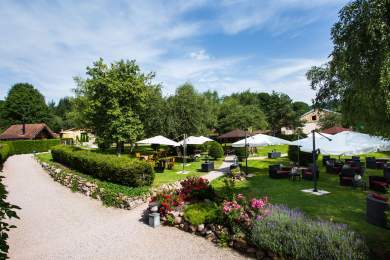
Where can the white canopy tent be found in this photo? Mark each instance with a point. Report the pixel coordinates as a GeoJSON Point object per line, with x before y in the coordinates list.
{"type": "Point", "coordinates": [159, 139]}
{"type": "Point", "coordinates": [348, 143]}
{"type": "Point", "coordinates": [309, 139]}
{"type": "Point", "coordinates": [260, 140]}
{"type": "Point", "coordinates": [195, 140]}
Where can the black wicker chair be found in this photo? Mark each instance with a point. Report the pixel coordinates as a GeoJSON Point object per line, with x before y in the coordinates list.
{"type": "Point", "coordinates": [371, 162]}
{"type": "Point", "coordinates": [279, 172]}
{"type": "Point", "coordinates": [375, 212]}
{"type": "Point", "coordinates": [307, 174]}
{"type": "Point", "coordinates": [325, 158]}
{"type": "Point", "coordinates": [347, 175]}
{"type": "Point", "coordinates": [386, 173]}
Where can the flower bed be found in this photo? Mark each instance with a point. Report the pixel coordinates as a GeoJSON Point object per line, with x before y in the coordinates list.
{"type": "Point", "coordinates": [254, 226]}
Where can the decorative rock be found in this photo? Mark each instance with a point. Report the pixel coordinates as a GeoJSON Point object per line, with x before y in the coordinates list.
{"type": "Point", "coordinates": [200, 227]}
{"type": "Point", "coordinates": [57, 171]}
{"type": "Point", "coordinates": [260, 254]}
{"type": "Point", "coordinates": [178, 220]}
{"type": "Point", "coordinates": [181, 226]}
{"type": "Point", "coordinates": [211, 237]}
{"type": "Point", "coordinates": [193, 228]}
{"type": "Point", "coordinates": [240, 244]}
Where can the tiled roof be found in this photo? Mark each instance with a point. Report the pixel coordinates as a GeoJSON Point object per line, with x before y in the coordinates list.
{"type": "Point", "coordinates": [15, 132]}
{"type": "Point", "coordinates": [335, 130]}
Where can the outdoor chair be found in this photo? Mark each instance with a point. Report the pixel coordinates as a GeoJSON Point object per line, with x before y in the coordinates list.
{"type": "Point", "coordinates": [371, 162]}
{"type": "Point", "coordinates": [171, 163]}
{"type": "Point", "coordinates": [325, 159]}
{"type": "Point", "coordinates": [278, 172]}
{"type": "Point", "coordinates": [332, 166]}
{"type": "Point", "coordinates": [386, 172]}
{"type": "Point", "coordinates": [347, 175]}
{"type": "Point", "coordinates": [376, 207]}
{"type": "Point", "coordinates": [356, 158]}
{"type": "Point", "coordinates": [307, 174]}
{"type": "Point", "coordinates": [378, 183]}
{"type": "Point", "coordinates": [381, 163]}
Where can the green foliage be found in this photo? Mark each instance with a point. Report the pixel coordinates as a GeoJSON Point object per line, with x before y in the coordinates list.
{"type": "Point", "coordinates": [215, 150]}
{"type": "Point", "coordinates": [300, 108]}
{"type": "Point", "coordinates": [241, 152]}
{"type": "Point", "coordinates": [291, 234]}
{"type": "Point", "coordinates": [30, 146]}
{"type": "Point", "coordinates": [330, 120]}
{"type": "Point", "coordinates": [121, 170]}
{"type": "Point", "coordinates": [113, 98]}
{"type": "Point", "coordinates": [201, 213]}
{"type": "Point", "coordinates": [24, 104]}
{"type": "Point", "coordinates": [234, 114]}
{"type": "Point", "coordinates": [358, 76]}
{"type": "Point", "coordinates": [5, 151]}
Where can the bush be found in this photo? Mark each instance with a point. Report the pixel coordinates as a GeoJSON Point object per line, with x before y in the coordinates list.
{"type": "Point", "coordinates": [200, 213]}
{"type": "Point", "coordinates": [4, 153]}
{"type": "Point", "coordinates": [30, 146]}
{"type": "Point", "coordinates": [215, 150]}
{"type": "Point", "coordinates": [304, 158]}
{"type": "Point", "coordinates": [195, 188]}
{"type": "Point", "coordinates": [167, 201]}
{"type": "Point", "coordinates": [241, 153]}
{"type": "Point", "coordinates": [121, 170]}
{"type": "Point", "coordinates": [290, 234]}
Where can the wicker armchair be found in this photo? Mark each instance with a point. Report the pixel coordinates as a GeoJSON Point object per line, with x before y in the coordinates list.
{"type": "Point", "coordinates": [333, 167]}
{"type": "Point", "coordinates": [278, 172]}
{"type": "Point", "coordinates": [376, 208]}
{"type": "Point", "coordinates": [378, 183]}
{"type": "Point", "coordinates": [307, 174]}
{"type": "Point", "coordinates": [347, 175]}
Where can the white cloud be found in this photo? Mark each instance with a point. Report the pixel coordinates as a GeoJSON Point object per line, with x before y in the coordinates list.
{"type": "Point", "coordinates": [200, 55]}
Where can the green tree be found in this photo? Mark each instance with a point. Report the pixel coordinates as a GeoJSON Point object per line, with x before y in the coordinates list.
{"type": "Point", "coordinates": [234, 115]}
{"type": "Point", "coordinates": [358, 75]}
{"type": "Point", "coordinates": [25, 104]}
{"type": "Point", "coordinates": [300, 108]}
{"type": "Point", "coordinates": [281, 113]}
{"type": "Point", "coordinates": [114, 98]}
{"type": "Point", "coordinates": [215, 150]}
{"type": "Point", "coordinates": [186, 112]}
{"type": "Point", "coordinates": [330, 120]}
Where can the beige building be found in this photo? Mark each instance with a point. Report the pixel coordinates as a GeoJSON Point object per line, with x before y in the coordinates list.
{"type": "Point", "coordinates": [311, 119]}
{"type": "Point", "coordinates": [78, 136]}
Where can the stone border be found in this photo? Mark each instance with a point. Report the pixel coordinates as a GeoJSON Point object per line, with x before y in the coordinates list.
{"type": "Point", "coordinates": [92, 189]}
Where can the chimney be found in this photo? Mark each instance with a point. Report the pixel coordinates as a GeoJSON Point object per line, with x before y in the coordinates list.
{"type": "Point", "coordinates": [24, 129]}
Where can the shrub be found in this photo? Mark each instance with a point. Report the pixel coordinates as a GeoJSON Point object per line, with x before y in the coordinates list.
{"type": "Point", "coordinates": [215, 150]}
{"type": "Point", "coordinates": [200, 213]}
{"type": "Point", "coordinates": [30, 146]}
{"type": "Point", "coordinates": [304, 158]}
{"type": "Point", "coordinates": [121, 170]}
{"type": "Point", "coordinates": [241, 153]}
{"type": "Point", "coordinates": [195, 188]}
{"type": "Point", "coordinates": [4, 153]}
{"type": "Point", "coordinates": [290, 234]}
{"type": "Point", "coordinates": [167, 201]}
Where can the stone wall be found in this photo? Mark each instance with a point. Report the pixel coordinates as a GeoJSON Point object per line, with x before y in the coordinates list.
{"type": "Point", "coordinates": [91, 189]}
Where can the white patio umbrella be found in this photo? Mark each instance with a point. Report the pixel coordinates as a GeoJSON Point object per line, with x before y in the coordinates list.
{"type": "Point", "coordinates": [195, 140]}
{"type": "Point", "coordinates": [159, 139]}
{"type": "Point", "coordinates": [260, 140]}
{"type": "Point", "coordinates": [349, 143]}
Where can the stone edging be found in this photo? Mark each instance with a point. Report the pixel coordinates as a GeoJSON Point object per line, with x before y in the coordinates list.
{"type": "Point", "coordinates": [92, 189]}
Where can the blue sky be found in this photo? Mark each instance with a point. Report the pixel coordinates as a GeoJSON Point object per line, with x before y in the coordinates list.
{"type": "Point", "coordinates": [228, 46]}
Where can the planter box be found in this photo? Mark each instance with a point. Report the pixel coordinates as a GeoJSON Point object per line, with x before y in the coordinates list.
{"type": "Point", "coordinates": [207, 166]}
{"type": "Point", "coordinates": [274, 155]}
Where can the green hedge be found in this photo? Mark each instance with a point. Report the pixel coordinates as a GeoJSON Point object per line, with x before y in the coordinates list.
{"type": "Point", "coordinates": [30, 146]}
{"type": "Point", "coordinates": [121, 170]}
{"type": "Point", "coordinates": [304, 158]}
{"type": "Point", "coordinates": [215, 150]}
{"type": "Point", "coordinates": [4, 153]}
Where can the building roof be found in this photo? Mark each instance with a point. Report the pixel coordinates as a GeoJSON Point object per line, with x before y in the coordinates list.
{"type": "Point", "coordinates": [313, 110]}
{"type": "Point", "coordinates": [335, 130]}
{"type": "Point", "coordinates": [238, 133]}
{"type": "Point", "coordinates": [15, 132]}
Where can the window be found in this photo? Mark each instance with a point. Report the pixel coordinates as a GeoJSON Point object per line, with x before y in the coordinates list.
{"type": "Point", "coordinates": [314, 118]}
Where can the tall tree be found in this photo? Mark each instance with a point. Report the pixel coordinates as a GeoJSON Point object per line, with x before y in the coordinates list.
{"type": "Point", "coordinates": [358, 75]}
{"type": "Point", "coordinates": [25, 104]}
{"type": "Point", "coordinates": [300, 107]}
{"type": "Point", "coordinates": [114, 98]}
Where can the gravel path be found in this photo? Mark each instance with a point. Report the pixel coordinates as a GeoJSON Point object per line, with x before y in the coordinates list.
{"type": "Point", "coordinates": [58, 224]}
{"type": "Point", "coordinates": [224, 168]}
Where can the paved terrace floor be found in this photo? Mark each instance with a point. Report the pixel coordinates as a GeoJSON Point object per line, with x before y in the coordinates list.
{"type": "Point", "coordinates": [58, 224]}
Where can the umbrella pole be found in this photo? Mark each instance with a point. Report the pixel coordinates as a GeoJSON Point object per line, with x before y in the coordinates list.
{"type": "Point", "coordinates": [184, 150]}
{"type": "Point", "coordinates": [314, 172]}
{"type": "Point", "coordinates": [246, 155]}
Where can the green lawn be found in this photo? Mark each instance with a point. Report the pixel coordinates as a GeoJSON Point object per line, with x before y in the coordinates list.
{"type": "Point", "coordinates": [264, 150]}
{"type": "Point", "coordinates": [343, 204]}
{"type": "Point", "coordinates": [169, 176]}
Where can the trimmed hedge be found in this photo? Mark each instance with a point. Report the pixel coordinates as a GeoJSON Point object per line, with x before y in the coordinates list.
{"type": "Point", "coordinates": [121, 170]}
{"type": "Point", "coordinates": [4, 153]}
{"type": "Point", "coordinates": [304, 158]}
{"type": "Point", "coordinates": [215, 150]}
{"type": "Point", "coordinates": [30, 146]}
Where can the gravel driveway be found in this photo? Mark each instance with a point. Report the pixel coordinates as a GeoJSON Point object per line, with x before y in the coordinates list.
{"type": "Point", "coordinates": [58, 224]}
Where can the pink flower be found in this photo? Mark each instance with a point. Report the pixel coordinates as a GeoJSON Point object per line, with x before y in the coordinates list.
{"type": "Point", "coordinates": [240, 197]}
{"type": "Point", "coordinates": [257, 203]}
